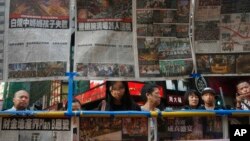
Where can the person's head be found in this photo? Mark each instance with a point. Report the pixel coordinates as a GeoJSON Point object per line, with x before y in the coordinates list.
{"type": "Point", "coordinates": [208, 96]}
{"type": "Point", "coordinates": [118, 94]}
{"type": "Point", "coordinates": [21, 100]}
{"type": "Point", "coordinates": [76, 105]}
{"type": "Point", "coordinates": [105, 4]}
{"type": "Point", "coordinates": [150, 93]}
{"type": "Point", "coordinates": [243, 88]}
{"type": "Point", "coordinates": [82, 14]}
{"type": "Point", "coordinates": [117, 90]}
{"type": "Point", "coordinates": [192, 99]}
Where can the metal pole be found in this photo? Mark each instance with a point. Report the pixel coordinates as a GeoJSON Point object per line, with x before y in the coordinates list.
{"type": "Point", "coordinates": [70, 91]}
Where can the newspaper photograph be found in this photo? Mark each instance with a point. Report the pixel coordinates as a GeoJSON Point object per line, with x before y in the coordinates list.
{"type": "Point", "coordinates": [144, 30]}
{"type": "Point", "coordinates": [242, 63]}
{"type": "Point", "coordinates": [154, 4]}
{"type": "Point", "coordinates": [183, 10]}
{"type": "Point", "coordinates": [207, 30]}
{"type": "Point", "coordinates": [235, 33]}
{"type": "Point", "coordinates": [174, 49]}
{"type": "Point", "coordinates": [207, 10]}
{"type": "Point", "coordinates": [216, 64]}
{"type": "Point", "coordinates": [101, 128]}
{"type": "Point", "coordinates": [170, 68]}
{"type": "Point", "coordinates": [235, 6]}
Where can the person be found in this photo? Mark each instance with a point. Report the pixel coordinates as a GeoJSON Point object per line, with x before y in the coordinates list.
{"type": "Point", "coordinates": [208, 97]}
{"type": "Point", "coordinates": [243, 95]}
{"type": "Point", "coordinates": [192, 100]}
{"type": "Point", "coordinates": [76, 105]}
{"type": "Point", "coordinates": [150, 93]}
{"type": "Point", "coordinates": [21, 101]}
{"type": "Point", "coordinates": [118, 98]}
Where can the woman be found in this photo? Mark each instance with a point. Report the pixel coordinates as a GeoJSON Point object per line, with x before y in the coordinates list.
{"type": "Point", "coordinates": [192, 100]}
{"type": "Point", "coordinates": [118, 98]}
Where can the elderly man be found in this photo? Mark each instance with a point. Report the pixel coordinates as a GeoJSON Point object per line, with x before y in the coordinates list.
{"type": "Point", "coordinates": [243, 95]}
{"type": "Point", "coordinates": [21, 101]}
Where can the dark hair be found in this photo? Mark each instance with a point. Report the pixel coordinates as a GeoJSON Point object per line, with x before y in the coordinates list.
{"type": "Point", "coordinates": [126, 100]}
{"type": "Point", "coordinates": [147, 88]}
{"type": "Point", "coordinates": [241, 81]}
{"type": "Point", "coordinates": [73, 101]}
{"type": "Point", "coordinates": [188, 93]}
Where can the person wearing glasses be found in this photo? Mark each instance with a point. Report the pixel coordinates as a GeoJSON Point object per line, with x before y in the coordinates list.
{"type": "Point", "coordinates": [118, 98]}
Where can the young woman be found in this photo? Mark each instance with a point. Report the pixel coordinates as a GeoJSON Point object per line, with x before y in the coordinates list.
{"type": "Point", "coordinates": [118, 98]}
{"type": "Point", "coordinates": [192, 100]}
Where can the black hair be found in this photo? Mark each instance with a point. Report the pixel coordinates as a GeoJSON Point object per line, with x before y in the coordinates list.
{"type": "Point", "coordinates": [147, 88]}
{"type": "Point", "coordinates": [241, 81]}
{"type": "Point", "coordinates": [188, 93]}
{"type": "Point", "coordinates": [126, 100]}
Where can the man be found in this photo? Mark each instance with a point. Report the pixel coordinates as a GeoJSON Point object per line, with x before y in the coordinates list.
{"type": "Point", "coordinates": [151, 95]}
{"type": "Point", "coordinates": [21, 101]}
{"type": "Point", "coordinates": [243, 95]}
{"type": "Point", "coordinates": [208, 97]}
{"type": "Point", "coordinates": [76, 105]}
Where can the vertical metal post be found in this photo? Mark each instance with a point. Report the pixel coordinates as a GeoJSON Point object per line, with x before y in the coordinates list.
{"type": "Point", "coordinates": [70, 91]}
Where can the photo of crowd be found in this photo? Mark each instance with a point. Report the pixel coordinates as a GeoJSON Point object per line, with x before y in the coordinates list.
{"type": "Point", "coordinates": [135, 128]}
{"type": "Point", "coordinates": [39, 69]}
{"type": "Point", "coordinates": [39, 7]}
{"type": "Point", "coordinates": [93, 127]}
{"type": "Point", "coordinates": [104, 9]}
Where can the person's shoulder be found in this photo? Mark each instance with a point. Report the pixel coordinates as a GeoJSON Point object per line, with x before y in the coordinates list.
{"type": "Point", "coordinates": [11, 109]}
{"type": "Point", "coordinates": [102, 105]}
{"type": "Point", "coordinates": [202, 107]}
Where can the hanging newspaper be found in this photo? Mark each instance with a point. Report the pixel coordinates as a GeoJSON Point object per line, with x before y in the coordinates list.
{"type": "Point", "coordinates": [104, 39]}
{"type": "Point", "coordinates": [34, 129]}
{"type": "Point", "coordinates": [207, 10]}
{"type": "Point", "coordinates": [206, 33]}
{"type": "Point", "coordinates": [162, 38]}
{"type": "Point", "coordinates": [2, 12]}
{"type": "Point", "coordinates": [206, 36]}
{"type": "Point", "coordinates": [235, 32]}
{"type": "Point", "coordinates": [38, 39]}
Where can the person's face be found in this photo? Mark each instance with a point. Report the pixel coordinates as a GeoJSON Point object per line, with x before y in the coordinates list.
{"type": "Point", "coordinates": [105, 4]}
{"type": "Point", "coordinates": [117, 90]}
{"type": "Point", "coordinates": [76, 106]}
{"type": "Point", "coordinates": [21, 100]}
{"type": "Point", "coordinates": [243, 89]}
{"type": "Point", "coordinates": [193, 100]}
{"type": "Point", "coordinates": [82, 14]}
{"type": "Point", "coordinates": [154, 97]}
{"type": "Point", "coordinates": [208, 98]}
